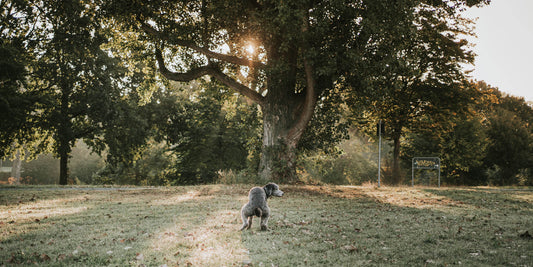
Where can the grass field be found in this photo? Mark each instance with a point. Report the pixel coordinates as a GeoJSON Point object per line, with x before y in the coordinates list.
{"type": "Point", "coordinates": [310, 226]}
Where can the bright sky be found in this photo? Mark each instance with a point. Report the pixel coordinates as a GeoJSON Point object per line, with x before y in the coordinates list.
{"type": "Point", "coordinates": [505, 46]}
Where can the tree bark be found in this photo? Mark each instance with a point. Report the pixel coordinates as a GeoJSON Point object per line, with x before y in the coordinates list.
{"type": "Point", "coordinates": [396, 171]}
{"type": "Point", "coordinates": [63, 169]}
{"type": "Point", "coordinates": [65, 136]}
{"type": "Point", "coordinates": [16, 168]}
{"type": "Point", "coordinates": [278, 155]}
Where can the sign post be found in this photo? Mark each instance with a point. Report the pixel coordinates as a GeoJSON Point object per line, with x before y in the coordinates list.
{"type": "Point", "coordinates": [424, 163]}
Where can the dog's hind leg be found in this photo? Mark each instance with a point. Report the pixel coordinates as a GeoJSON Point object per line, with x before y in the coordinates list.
{"type": "Point", "coordinates": [250, 219]}
{"type": "Point", "coordinates": [246, 220]}
{"type": "Point", "coordinates": [246, 223]}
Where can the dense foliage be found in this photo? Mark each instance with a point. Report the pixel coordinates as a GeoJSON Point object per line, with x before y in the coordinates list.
{"type": "Point", "coordinates": [490, 144]}
{"type": "Point", "coordinates": [186, 92]}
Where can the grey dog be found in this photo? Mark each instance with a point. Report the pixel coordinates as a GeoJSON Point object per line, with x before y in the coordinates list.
{"type": "Point", "coordinates": [257, 205]}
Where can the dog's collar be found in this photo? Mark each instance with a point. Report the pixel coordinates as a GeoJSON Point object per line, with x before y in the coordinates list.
{"type": "Point", "coordinates": [266, 193]}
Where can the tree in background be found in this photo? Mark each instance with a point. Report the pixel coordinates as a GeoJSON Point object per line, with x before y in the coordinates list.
{"type": "Point", "coordinates": [16, 102]}
{"type": "Point", "coordinates": [62, 84]}
{"type": "Point", "coordinates": [490, 144]}
{"type": "Point", "coordinates": [74, 74]}
{"type": "Point", "coordinates": [510, 147]}
{"type": "Point", "coordinates": [418, 74]}
{"type": "Point", "coordinates": [214, 131]}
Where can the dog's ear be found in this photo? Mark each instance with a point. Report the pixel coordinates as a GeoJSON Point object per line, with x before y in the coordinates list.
{"type": "Point", "coordinates": [269, 188]}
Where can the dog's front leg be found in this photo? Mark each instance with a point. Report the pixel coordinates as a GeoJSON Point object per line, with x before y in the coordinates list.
{"type": "Point", "coordinates": [264, 218]}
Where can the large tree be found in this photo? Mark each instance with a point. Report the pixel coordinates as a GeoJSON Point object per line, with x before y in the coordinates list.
{"type": "Point", "coordinates": [16, 102]}
{"type": "Point", "coordinates": [417, 74]}
{"type": "Point", "coordinates": [282, 55]}
{"type": "Point", "coordinates": [77, 80]}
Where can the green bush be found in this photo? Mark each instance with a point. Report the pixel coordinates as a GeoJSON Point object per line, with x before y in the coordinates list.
{"type": "Point", "coordinates": [354, 163]}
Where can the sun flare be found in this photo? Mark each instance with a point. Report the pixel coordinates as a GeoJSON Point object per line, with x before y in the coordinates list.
{"type": "Point", "coordinates": [250, 49]}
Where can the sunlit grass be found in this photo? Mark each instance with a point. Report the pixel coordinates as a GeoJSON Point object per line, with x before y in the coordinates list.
{"type": "Point", "coordinates": [310, 226]}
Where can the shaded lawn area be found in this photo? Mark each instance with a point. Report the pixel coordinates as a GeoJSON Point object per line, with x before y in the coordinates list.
{"type": "Point", "coordinates": [310, 226]}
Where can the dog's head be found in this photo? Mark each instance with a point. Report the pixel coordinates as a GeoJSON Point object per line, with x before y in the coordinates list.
{"type": "Point", "coordinates": [272, 189]}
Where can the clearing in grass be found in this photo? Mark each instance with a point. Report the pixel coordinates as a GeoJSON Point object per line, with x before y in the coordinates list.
{"type": "Point", "coordinates": [309, 226]}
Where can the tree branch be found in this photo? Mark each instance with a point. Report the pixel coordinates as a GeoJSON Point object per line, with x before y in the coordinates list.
{"type": "Point", "coordinates": [308, 109]}
{"type": "Point", "coordinates": [214, 55]}
{"type": "Point", "coordinates": [232, 83]}
{"type": "Point", "coordinates": [208, 70]}
{"type": "Point", "coordinates": [180, 77]}
{"type": "Point", "coordinates": [296, 131]}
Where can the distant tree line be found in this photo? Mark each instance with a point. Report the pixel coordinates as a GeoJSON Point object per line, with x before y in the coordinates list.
{"type": "Point", "coordinates": [170, 93]}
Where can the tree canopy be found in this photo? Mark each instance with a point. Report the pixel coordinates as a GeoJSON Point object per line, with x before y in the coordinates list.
{"type": "Point", "coordinates": [285, 55]}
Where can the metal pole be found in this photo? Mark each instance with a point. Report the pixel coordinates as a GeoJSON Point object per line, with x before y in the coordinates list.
{"type": "Point", "coordinates": [379, 155]}
{"type": "Point", "coordinates": [413, 172]}
{"type": "Point", "coordinates": [439, 171]}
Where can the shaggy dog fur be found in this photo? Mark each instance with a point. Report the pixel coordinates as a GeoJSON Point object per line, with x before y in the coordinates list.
{"type": "Point", "coordinates": [257, 205]}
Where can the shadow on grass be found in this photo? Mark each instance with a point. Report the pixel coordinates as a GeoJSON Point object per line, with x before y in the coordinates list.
{"type": "Point", "coordinates": [486, 198]}
{"type": "Point", "coordinates": [177, 226]}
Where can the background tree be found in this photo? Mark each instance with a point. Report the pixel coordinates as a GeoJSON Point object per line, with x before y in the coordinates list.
{"type": "Point", "coordinates": [490, 144]}
{"type": "Point", "coordinates": [187, 135]}
{"type": "Point", "coordinates": [510, 147]}
{"type": "Point", "coordinates": [215, 131]}
{"type": "Point", "coordinates": [16, 102]}
{"type": "Point", "coordinates": [76, 79]}
{"type": "Point", "coordinates": [460, 141]}
{"type": "Point", "coordinates": [417, 72]}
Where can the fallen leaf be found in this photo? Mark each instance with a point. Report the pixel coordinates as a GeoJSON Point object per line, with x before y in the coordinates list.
{"type": "Point", "coordinates": [45, 257]}
{"type": "Point", "coordinates": [526, 235]}
{"type": "Point", "coordinates": [350, 248]}
{"type": "Point", "coordinates": [139, 257]}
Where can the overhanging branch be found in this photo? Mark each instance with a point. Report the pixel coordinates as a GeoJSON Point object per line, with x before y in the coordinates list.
{"type": "Point", "coordinates": [207, 70]}
{"type": "Point", "coordinates": [177, 76]}
{"type": "Point", "coordinates": [239, 87]}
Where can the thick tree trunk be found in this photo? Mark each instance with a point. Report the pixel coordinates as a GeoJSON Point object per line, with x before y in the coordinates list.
{"type": "Point", "coordinates": [286, 115]}
{"type": "Point", "coordinates": [16, 168]}
{"type": "Point", "coordinates": [63, 169]}
{"type": "Point", "coordinates": [278, 151]}
{"type": "Point", "coordinates": [64, 135]}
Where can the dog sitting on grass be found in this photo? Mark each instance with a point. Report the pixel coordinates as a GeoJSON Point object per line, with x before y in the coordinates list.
{"type": "Point", "coordinates": [257, 205]}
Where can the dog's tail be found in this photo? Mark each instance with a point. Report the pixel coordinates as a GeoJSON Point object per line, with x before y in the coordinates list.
{"type": "Point", "coordinates": [258, 212]}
